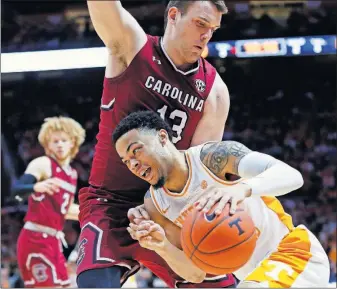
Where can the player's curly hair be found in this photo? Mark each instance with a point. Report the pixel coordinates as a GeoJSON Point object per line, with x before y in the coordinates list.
{"type": "Point", "coordinates": [147, 120]}
{"type": "Point", "coordinates": [62, 124]}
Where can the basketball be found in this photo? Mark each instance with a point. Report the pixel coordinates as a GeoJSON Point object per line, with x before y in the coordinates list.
{"type": "Point", "coordinates": [218, 244]}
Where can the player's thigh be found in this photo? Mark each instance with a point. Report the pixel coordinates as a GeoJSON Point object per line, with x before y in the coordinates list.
{"type": "Point", "coordinates": [156, 264]}
{"type": "Point", "coordinates": [43, 270]}
{"type": "Point", "coordinates": [103, 243]}
{"type": "Point", "coordinates": [109, 277]}
{"type": "Point", "coordinates": [299, 261]}
{"type": "Point", "coordinates": [63, 270]}
{"type": "Point", "coordinates": [161, 269]}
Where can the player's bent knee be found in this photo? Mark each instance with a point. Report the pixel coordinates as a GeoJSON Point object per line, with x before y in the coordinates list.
{"type": "Point", "coordinates": [249, 284]}
{"type": "Point", "coordinates": [100, 278]}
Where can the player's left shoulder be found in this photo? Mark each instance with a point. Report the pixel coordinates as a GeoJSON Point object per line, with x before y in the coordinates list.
{"type": "Point", "coordinates": [219, 97]}
{"type": "Point", "coordinates": [221, 88]}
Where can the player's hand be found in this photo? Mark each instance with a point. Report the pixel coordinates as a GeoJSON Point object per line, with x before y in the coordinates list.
{"type": "Point", "coordinates": [49, 186]}
{"type": "Point", "coordinates": [234, 195]}
{"type": "Point", "coordinates": [150, 235]}
{"type": "Point", "coordinates": [138, 214]}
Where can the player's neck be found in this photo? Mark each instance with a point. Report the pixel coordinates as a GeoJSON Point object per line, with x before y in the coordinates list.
{"type": "Point", "coordinates": [65, 164]}
{"type": "Point", "coordinates": [174, 54]}
{"type": "Point", "coordinates": [178, 176]}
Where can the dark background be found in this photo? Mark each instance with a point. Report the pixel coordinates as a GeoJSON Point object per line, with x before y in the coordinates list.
{"type": "Point", "coordinates": [283, 106]}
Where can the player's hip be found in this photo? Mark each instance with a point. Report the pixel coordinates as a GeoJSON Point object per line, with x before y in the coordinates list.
{"type": "Point", "coordinates": [118, 198]}
{"type": "Point", "coordinates": [298, 261]}
{"type": "Point", "coordinates": [110, 206]}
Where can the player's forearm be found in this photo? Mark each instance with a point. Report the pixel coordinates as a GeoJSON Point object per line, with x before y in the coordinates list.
{"type": "Point", "coordinates": [267, 176]}
{"type": "Point", "coordinates": [180, 264]}
{"type": "Point", "coordinates": [107, 19]}
{"type": "Point", "coordinates": [73, 212]}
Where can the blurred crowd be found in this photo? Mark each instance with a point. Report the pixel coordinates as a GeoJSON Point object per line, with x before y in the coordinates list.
{"type": "Point", "coordinates": [285, 107]}
{"type": "Point", "coordinates": [70, 26]}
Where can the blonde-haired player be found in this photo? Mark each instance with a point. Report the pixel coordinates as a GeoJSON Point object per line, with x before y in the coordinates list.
{"type": "Point", "coordinates": [49, 182]}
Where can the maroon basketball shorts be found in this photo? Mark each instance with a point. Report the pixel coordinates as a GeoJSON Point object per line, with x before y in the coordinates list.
{"type": "Point", "coordinates": [41, 261]}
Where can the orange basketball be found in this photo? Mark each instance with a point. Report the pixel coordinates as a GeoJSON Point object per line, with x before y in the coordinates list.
{"type": "Point", "coordinates": [218, 244]}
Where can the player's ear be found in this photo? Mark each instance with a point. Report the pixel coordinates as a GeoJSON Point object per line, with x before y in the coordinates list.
{"type": "Point", "coordinates": [172, 14]}
{"type": "Point", "coordinates": [163, 137]}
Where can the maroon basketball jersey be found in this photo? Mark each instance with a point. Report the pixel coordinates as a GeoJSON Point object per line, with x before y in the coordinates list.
{"type": "Point", "coordinates": [50, 210]}
{"type": "Point", "coordinates": [151, 82]}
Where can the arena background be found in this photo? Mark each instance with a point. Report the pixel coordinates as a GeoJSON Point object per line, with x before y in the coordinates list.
{"type": "Point", "coordinates": [276, 57]}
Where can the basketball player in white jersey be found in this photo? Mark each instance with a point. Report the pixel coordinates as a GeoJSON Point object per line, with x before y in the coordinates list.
{"type": "Point", "coordinates": [285, 255]}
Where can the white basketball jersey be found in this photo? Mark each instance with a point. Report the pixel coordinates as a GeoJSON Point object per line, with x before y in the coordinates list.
{"type": "Point", "coordinates": [267, 213]}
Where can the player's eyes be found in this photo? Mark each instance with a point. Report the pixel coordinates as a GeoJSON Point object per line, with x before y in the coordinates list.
{"type": "Point", "coordinates": [136, 150]}
{"type": "Point", "coordinates": [202, 24]}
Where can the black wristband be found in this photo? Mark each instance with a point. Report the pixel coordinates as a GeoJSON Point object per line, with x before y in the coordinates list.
{"type": "Point", "coordinates": [23, 187]}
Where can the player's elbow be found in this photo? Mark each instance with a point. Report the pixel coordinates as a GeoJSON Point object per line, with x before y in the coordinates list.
{"type": "Point", "coordinates": [298, 179]}
{"type": "Point", "coordinates": [293, 177]}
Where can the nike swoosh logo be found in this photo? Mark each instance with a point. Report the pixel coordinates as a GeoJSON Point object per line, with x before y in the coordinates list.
{"type": "Point", "coordinates": [108, 106]}
{"type": "Point", "coordinates": [165, 210]}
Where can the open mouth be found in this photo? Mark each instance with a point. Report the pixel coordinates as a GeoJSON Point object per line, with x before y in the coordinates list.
{"type": "Point", "coordinates": [146, 173]}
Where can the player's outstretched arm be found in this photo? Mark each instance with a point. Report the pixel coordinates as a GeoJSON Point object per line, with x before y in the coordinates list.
{"type": "Point", "coordinates": [211, 125]}
{"type": "Point", "coordinates": [117, 28]}
{"type": "Point", "coordinates": [35, 179]}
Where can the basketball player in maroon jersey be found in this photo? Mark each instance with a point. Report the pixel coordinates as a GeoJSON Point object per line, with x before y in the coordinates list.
{"type": "Point", "coordinates": [49, 182]}
{"type": "Point", "coordinates": [163, 74]}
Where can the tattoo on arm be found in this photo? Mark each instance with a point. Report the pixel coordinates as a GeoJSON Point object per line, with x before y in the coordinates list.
{"type": "Point", "coordinates": [223, 157]}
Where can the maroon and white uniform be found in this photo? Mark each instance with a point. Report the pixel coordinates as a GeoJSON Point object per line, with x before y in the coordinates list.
{"type": "Point", "coordinates": [39, 247]}
{"type": "Point", "coordinates": [151, 82]}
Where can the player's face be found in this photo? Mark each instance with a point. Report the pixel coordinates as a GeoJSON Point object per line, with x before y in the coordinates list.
{"type": "Point", "coordinates": [60, 145]}
{"type": "Point", "coordinates": [195, 27]}
{"type": "Point", "coordinates": [144, 155]}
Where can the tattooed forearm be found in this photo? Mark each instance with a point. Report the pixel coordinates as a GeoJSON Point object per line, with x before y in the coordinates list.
{"type": "Point", "coordinates": [223, 157]}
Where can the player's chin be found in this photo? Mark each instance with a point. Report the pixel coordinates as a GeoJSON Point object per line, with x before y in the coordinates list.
{"type": "Point", "coordinates": [153, 180]}
{"type": "Point", "coordinates": [61, 156]}
{"type": "Point", "coordinates": [194, 58]}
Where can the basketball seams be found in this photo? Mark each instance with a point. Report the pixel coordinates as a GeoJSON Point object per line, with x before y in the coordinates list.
{"type": "Point", "coordinates": [221, 268]}
{"type": "Point", "coordinates": [228, 248]}
{"type": "Point", "coordinates": [190, 234]}
{"type": "Point", "coordinates": [210, 230]}
{"type": "Point", "coordinates": [204, 238]}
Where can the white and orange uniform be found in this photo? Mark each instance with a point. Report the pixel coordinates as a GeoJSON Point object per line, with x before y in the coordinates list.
{"type": "Point", "coordinates": [285, 256]}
